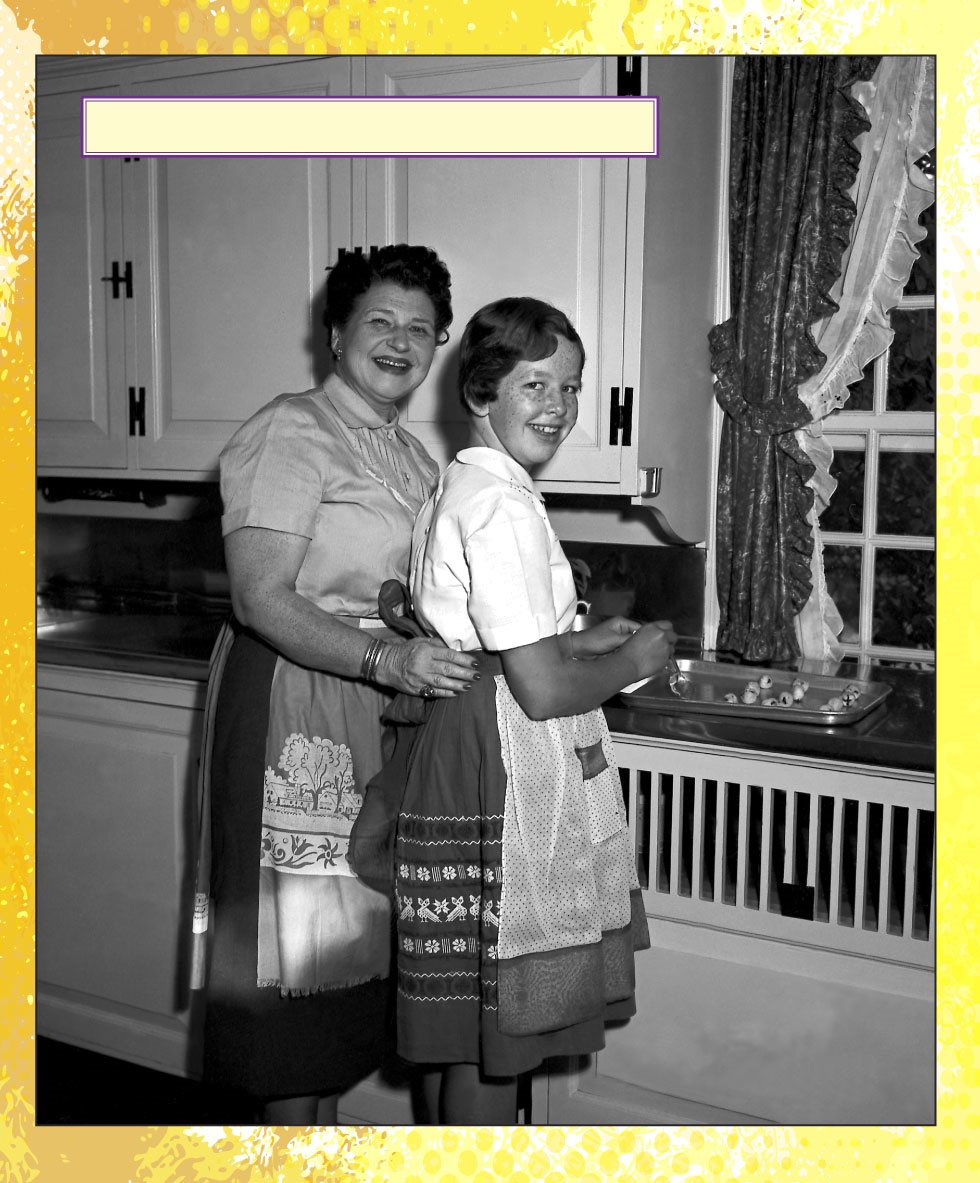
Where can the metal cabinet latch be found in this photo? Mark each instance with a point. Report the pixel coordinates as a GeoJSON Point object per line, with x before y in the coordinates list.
{"type": "Point", "coordinates": [650, 481]}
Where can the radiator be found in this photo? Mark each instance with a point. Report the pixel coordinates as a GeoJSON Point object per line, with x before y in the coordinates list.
{"type": "Point", "coordinates": [815, 852]}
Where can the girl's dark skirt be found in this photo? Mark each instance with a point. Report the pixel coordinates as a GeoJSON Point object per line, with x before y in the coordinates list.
{"type": "Point", "coordinates": [256, 1041]}
{"type": "Point", "coordinates": [448, 876]}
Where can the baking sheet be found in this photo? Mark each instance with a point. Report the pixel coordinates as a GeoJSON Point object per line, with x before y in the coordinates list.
{"type": "Point", "coordinates": [705, 684]}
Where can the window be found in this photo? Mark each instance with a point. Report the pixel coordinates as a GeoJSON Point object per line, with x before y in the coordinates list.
{"type": "Point", "coordinates": [879, 530]}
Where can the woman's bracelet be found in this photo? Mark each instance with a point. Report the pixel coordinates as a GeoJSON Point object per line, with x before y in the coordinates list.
{"type": "Point", "coordinates": [371, 658]}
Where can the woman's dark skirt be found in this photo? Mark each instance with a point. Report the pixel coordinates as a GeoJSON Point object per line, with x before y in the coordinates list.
{"type": "Point", "coordinates": [256, 1041]}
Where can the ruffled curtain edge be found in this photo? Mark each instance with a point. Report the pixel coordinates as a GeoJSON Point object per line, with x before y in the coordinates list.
{"type": "Point", "coordinates": [829, 389]}
{"type": "Point", "coordinates": [820, 624]}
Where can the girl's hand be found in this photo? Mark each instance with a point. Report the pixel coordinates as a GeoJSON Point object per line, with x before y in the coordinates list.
{"type": "Point", "coordinates": [651, 647]}
{"type": "Point", "coordinates": [603, 638]}
{"type": "Point", "coordinates": [426, 668]}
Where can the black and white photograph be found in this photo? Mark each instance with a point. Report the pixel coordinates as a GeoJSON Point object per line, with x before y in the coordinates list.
{"type": "Point", "coordinates": [486, 606]}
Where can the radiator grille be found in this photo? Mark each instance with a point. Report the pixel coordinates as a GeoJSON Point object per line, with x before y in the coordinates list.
{"type": "Point", "coordinates": [827, 857]}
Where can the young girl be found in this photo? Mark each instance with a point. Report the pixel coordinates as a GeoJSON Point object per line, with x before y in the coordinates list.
{"type": "Point", "coordinates": [517, 903]}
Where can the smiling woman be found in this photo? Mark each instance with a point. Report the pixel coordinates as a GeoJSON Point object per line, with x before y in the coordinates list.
{"type": "Point", "coordinates": [384, 348]}
{"type": "Point", "coordinates": [319, 491]}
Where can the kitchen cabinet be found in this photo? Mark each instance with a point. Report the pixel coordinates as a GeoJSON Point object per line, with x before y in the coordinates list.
{"type": "Point", "coordinates": [227, 259]}
{"type": "Point", "coordinates": [116, 841]}
{"type": "Point", "coordinates": [81, 361]}
{"type": "Point", "coordinates": [547, 227]}
{"type": "Point", "coordinates": [222, 265]}
{"type": "Point", "coordinates": [630, 249]}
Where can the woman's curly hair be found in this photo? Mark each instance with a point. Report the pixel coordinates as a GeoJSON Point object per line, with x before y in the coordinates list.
{"type": "Point", "coordinates": [411, 267]}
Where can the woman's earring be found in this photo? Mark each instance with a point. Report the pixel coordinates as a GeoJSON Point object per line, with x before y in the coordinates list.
{"type": "Point", "coordinates": [338, 353]}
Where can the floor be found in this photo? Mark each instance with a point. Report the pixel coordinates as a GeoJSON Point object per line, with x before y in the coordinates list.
{"type": "Point", "coordinates": [79, 1087]}
{"type": "Point", "coordinates": [82, 1088]}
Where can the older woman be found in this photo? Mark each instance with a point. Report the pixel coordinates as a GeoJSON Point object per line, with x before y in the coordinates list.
{"type": "Point", "coordinates": [319, 491]}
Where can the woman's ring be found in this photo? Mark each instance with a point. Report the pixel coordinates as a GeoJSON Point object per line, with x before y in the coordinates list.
{"type": "Point", "coordinates": [426, 691]}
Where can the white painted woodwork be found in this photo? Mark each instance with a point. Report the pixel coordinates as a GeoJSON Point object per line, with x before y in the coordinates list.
{"type": "Point", "coordinates": [231, 254]}
{"type": "Point", "coordinates": [546, 227]}
{"type": "Point", "coordinates": [229, 258]}
{"type": "Point", "coordinates": [116, 762]}
{"type": "Point", "coordinates": [229, 265]}
{"type": "Point", "coordinates": [748, 1015]}
{"type": "Point", "coordinates": [81, 362]}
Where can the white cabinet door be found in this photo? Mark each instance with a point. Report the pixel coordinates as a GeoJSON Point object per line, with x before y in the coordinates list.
{"type": "Point", "coordinates": [228, 261]}
{"type": "Point", "coordinates": [548, 227]}
{"type": "Point", "coordinates": [116, 762]}
{"type": "Point", "coordinates": [81, 365]}
{"type": "Point", "coordinates": [230, 257]}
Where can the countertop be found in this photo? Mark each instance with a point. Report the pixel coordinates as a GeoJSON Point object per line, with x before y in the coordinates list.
{"type": "Point", "coordinates": [160, 644]}
{"type": "Point", "coordinates": [898, 734]}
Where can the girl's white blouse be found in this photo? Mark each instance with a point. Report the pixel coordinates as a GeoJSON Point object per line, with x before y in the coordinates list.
{"type": "Point", "coordinates": [488, 571]}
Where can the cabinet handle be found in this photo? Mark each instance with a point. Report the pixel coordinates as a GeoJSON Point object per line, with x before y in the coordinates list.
{"type": "Point", "coordinates": [614, 416]}
{"type": "Point", "coordinates": [137, 411]}
{"type": "Point", "coordinates": [126, 278]}
{"type": "Point", "coordinates": [626, 417]}
{"type": "Point", "coordinates": [621, 417]}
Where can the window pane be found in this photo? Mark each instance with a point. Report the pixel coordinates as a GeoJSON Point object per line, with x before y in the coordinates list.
{"type": "Point", "coordinates": [922, 278]}
{"type": "Point", "coordinates": [906, 493]}
{"type": "Point", "coordinates": [927, 162]}
{"type": "Point", "coordinates": [846, 509]}
{"type": "Point", "coordinates": [842, 568]}
{"type": "Point", "coordinates": [863, 391]}
{"type": "Point", "coordinates": [904, 599]}
{"type": "Point", "coordinates": [911, 361]}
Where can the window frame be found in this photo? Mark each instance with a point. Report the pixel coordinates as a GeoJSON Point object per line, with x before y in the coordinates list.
{"type": "Point", "coordinates": [867, 430]}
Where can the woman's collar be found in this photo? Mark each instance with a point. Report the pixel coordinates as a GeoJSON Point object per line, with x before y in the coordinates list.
{"type": "Point", "coordinates": [353, 409]}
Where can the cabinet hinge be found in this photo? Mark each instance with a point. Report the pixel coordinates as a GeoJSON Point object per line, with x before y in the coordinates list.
{"type": "Point", "coordinates": [122, 279]}
{"type": "Point", "coordinates": [628, 76]}
{"type": "Point", "coordinates": [357, 250]}
{"type": "Point", "coordinates": [137, 411]}
{"type": "Point", "coordinates": [621, 417]}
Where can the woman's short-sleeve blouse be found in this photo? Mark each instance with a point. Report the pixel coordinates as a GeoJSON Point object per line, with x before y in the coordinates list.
{"type": "Point", "coordinates": [324, 465]}
{"type": "Point", "coordinates": [488, 570]}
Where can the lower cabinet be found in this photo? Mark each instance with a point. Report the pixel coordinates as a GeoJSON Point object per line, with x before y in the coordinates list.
{"type": "Point", "coordinates": [791, 908]}
{"type": "Point", "coordinates": [116, 834]}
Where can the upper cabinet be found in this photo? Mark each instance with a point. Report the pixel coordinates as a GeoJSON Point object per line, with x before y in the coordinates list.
{"type": "Point", "coordinates": [177, 295]}
{"type": "Point", "coordinates": [219, 301]}
{"type": "Point", "coordinates": [549, 227]}
{"type": "Point", "coordinates": [80, 370]}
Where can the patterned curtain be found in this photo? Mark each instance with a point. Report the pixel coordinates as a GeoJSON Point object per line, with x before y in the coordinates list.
{"type": "Point", "coordinates": [793, 161]}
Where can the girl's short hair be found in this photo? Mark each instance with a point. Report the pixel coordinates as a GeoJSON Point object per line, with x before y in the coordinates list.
{"type": "Point", "coordinates": [408, 266]}
{"type": "Point", "coordinates": [501, 334]}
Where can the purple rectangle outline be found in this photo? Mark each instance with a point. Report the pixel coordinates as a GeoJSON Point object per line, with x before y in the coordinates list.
{"type": "Point", "coordinates": [654, 99]}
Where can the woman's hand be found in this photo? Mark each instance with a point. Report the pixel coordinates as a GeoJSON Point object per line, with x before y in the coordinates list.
{"type": "Point", "coordinates": [651, 647]}
{"type": "Point", "coordinates": [602, 638]}
{"type": "Point", "coordinates": [426, 668]}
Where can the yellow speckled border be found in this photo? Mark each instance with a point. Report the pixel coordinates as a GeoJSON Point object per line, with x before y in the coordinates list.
{"type": "Point", "coordinates": [947, 27]}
